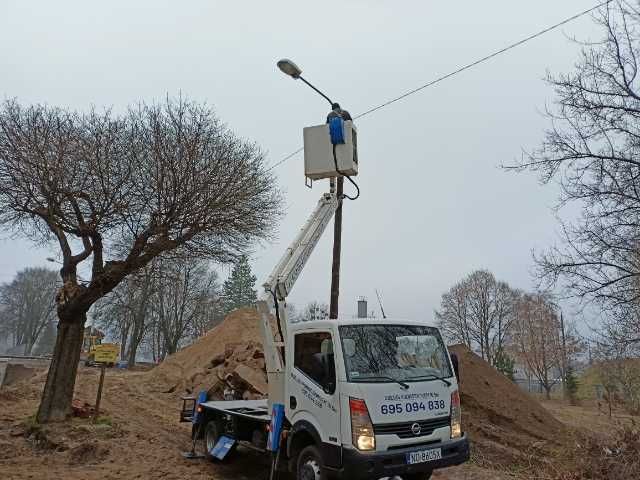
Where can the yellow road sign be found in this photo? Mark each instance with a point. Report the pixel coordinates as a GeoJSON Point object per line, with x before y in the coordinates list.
{"type": "Point", "coordinates": [107, 353]}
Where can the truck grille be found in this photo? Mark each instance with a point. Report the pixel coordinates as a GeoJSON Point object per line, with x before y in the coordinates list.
{"type": "Point", "coordinates": [406, 430]}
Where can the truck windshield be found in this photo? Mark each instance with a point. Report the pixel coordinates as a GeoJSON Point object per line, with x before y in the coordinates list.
{"type": "Point", "coordinates": [388, 353]}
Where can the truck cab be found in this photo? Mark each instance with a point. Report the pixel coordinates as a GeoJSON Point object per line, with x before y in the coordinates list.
{"type": "Point", "coordinates": [368, 398]}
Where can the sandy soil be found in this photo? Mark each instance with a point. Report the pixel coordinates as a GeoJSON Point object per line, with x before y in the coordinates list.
{"type": "Point", "coordinates": [139, 436]}
{"type": "Point", "coordinates": [509, 428]}
{"type": "Point", "coordinates": [587, 415]}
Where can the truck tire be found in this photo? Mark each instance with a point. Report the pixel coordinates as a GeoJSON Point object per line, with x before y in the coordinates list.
{"type": "Point", "coordinates": [417, 476]}
{"type": "Point", "coordinates": [212, 433]}
{"type": "Point", "coordinates": [309, 464]}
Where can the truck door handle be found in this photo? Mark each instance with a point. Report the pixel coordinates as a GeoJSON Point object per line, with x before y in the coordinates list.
{"type": "Point", "coordinates": [293, 403]}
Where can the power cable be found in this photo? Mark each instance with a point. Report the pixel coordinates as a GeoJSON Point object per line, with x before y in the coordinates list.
{"type": "Point", "coordinates": [348, 177]}
{"type": "Point", "coordinates": [292, 154]}
{"type": "Point", "coordinates": [460, 70]}
{"type": "Point", "coordinates": [483, 59]}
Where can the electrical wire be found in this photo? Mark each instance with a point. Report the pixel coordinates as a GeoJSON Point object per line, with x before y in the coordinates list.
{"type": "Point", "coordinates": [460, 70]}
{"type": "Point", "coordinates": [483, 59]}
{"type": "Point", "coordinates": [344, 195]}
{"type": "Point", "coordinates": [292, 154]}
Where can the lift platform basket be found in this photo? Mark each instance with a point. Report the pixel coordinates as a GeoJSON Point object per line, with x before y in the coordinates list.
{"type": "Point", "coordinates": [318, 152]}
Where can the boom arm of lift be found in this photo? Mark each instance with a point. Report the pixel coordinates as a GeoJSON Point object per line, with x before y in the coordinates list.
{"type": "Point", "coordinates": [280, 283]}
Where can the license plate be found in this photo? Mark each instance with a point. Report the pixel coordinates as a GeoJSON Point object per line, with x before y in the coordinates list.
{"type": "Point", "coordinates": [422, 456]}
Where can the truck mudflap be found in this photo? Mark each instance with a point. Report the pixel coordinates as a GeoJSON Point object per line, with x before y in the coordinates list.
{"type": "Point", "coordinates": [361, 465]}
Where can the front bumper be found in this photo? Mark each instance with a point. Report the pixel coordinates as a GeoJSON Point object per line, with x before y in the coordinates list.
{"type": "Point", "coordinates": [358, 465]}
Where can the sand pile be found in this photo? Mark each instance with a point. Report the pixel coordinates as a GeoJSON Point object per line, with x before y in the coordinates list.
{"type": "Point", "coordinates": [505, 424]}
{"type": "Point", "coordinates": [137, 437]}
{"type": "Point", "coordinates": [229, 357]}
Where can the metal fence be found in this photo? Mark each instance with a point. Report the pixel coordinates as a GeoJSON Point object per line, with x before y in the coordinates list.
{"type": "Point", "coordinates": [534, 386]}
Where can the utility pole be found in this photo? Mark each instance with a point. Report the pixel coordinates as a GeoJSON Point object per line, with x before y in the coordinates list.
{"type": "Point", "coordinates": [291, 69]}
{"type": "Point", "coordinates": [337, 246]}
{"type": "Point", "coordinates": [564, 357]}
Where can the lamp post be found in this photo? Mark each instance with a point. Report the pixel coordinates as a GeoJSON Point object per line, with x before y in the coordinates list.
{"type": "Point", "coordinates": [291, 69]}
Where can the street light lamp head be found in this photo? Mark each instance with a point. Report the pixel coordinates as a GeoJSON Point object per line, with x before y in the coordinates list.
{"type": "Point", "coordinates": [289, 68]}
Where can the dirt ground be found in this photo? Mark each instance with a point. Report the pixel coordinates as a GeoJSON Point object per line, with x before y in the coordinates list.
{"type": "Point", "coordinates": [588, 415]}
{"type": "Point", "coordinates": [138, 436]}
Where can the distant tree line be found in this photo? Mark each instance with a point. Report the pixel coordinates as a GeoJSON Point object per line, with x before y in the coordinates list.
{"type": "Point", "coordinates": [507, 326]}
{"type": "Point", "coordinates": [170, 303]}
{"type": "Point", "coordinates": [313, 310]}
{"type": "Point", "coordinates": [591, 151]}
{"type": "Point", "coordinates": [160, 308]}
{"type": "Point", "coordinates": [27, 311]}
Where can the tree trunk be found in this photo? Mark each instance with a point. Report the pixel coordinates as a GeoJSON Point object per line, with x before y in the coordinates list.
{"type": "Point", "coordinates": [55, 405]}
{"type": "Point", "coordinates": [133, 350]}
{"type": "Point", "coordinates": [123, 343]}
{"type": "Point", "coordinates": [170, 347]}
{"type": "Point", "coordinates": [547, 392]}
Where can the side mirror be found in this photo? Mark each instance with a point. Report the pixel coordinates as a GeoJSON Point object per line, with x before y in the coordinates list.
{"type": "Point", "coordinates": [456, 367]}
{"type": "Point", "coordinates": [326, 371]}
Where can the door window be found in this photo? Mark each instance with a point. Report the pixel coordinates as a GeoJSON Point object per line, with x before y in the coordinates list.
{"type": "Point", "coordinates": [313, 356]}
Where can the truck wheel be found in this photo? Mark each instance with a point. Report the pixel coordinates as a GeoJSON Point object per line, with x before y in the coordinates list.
{"type": "Point", "coordinates": [417, 476]}
{"type": "Point", "coordinates": [212, 433]}
{"type": "Point", "coordinates": [310, 465]}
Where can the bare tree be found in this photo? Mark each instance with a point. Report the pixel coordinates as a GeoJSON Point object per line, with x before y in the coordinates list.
{"type": "Point", "coordinates": [212, 305]}
{"type": "Point", "coordinates": [313, 311]}
{"type": "Point", "coordinates": [157, 178]}
{"type": "Point", "coordinates": [47, 339]}
{"type": "Point", "coordinates": [125, 312]}
{"type": "Point", "coordinates": [593, 151]}
{"type": "Point", "coordinates": [27, 306]}
{"type": "Point", "coordinates": [181, 301]}
{"type": "Point", "coordinates": [454, 316]}
{"type": "Point", "coordinates": [618, 368]}
{"type": "Point", "coordinates": [606, 372]}
{"type": "Point", "coordinates": [478, 312]}
{"type": "Point", "coordinates": [162, 305]}
{"type": "Point", "coordinates": [536, 339]}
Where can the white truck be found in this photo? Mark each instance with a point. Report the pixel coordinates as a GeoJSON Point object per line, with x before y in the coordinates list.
{"type": "Point", "coordinates": [348, 398]}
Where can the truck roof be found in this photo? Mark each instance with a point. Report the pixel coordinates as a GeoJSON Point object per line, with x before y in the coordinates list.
{"type": "Point", "coordinates": [329, 323]}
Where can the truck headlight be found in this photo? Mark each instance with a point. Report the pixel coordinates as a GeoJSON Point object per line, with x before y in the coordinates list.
{"type": "Point", "coordinates": [456, 415]}
{"type": "Point", "coordinates": [361, 427]}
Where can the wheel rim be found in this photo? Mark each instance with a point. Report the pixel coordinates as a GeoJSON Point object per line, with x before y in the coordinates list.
{"type": "Point", "coordinates": [310, 470]}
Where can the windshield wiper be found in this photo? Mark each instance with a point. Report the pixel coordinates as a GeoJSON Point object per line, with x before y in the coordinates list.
{"type": "Point", "coordinates": [435, 377]}
{"type": "Point", "coordinates": [382, 377]}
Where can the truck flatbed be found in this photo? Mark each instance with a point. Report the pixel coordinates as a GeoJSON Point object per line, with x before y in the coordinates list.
{"type": "Point", "coordinates": [256, 410]}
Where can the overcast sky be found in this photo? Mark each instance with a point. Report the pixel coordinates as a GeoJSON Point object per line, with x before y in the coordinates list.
{"type": "Point", "coordinates": [434, 204]}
